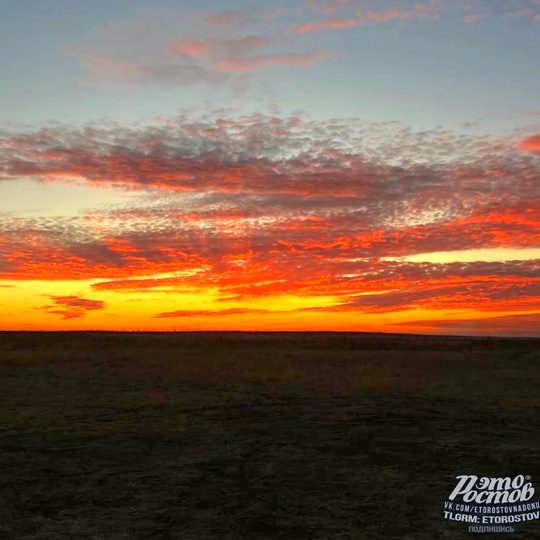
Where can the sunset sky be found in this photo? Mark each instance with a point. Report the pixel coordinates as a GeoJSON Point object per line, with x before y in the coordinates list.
{"type": "Point", "coordinates": [356, 165]}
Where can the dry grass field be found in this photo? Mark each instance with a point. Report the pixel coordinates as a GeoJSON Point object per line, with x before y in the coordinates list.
{"type": "Point", "coordinates": [319, 436]}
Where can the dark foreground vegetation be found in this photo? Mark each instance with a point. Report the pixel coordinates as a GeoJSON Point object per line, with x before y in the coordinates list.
{"type": "Point", "coordinates": [257, 436]}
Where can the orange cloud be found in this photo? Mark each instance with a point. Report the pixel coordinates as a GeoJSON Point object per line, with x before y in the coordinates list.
{"type": "Point", "coordinates": [531, 144]}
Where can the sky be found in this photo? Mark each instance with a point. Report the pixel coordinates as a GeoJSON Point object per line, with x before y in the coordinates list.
{"type": "Point", "coordinates": [344, 165]}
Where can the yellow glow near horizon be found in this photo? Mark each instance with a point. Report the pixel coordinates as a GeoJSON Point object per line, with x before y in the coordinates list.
{"type": "Point", "coordinates": [131, 310]}
{"type": "Point", "coordinates": [476, 255]}
{"type": "Point", "coordinates": [138, 310]}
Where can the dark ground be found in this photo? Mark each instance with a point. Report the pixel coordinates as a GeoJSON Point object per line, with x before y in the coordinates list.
{"type": "Point", "coordinates": [84, 456]}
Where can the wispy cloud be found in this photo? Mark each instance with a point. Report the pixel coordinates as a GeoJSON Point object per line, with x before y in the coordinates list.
{"type": "Point", "coordinates": [178, 48]}
{"type": "Point", "coordinates": [112, 70]}
{"type": "Point", "coordinates": [159, 48]}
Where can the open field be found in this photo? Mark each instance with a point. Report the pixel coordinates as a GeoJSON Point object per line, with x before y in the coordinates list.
{"type": "Point", "coordinates": [257, 435]}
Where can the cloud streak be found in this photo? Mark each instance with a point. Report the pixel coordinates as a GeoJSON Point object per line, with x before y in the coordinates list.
{"type": "Point", "coordinates": [72, 307]}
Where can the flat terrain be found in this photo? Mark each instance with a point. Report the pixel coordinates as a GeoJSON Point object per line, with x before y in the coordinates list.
{"type": "Point", "coordinates": [258, 435]}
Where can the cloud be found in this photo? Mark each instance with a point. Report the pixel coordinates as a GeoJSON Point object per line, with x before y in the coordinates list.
{"type": "Point", "coordinates": [114, 70]}
{"type": "Point", "coordinates": [242, 64]}
{"type": "Point", "coordinates": [512, 325]}
{"type": "Point", "coordinates": [190, 48]}
{"type": "Point", "coordinates": [527, 10]}
{"type": "Point", "coordinates": [72, 307]}
{"type": "Point", "coordinates": [235, 55]}
{"type": "Point", "coordinates": [180, 49]}
{"type": "Point", "coordinates": [218, 48]}
{"type": "Point", "coordinates": [171, 49]}
{"type": "Point", "coordinates": [530, 144]}
{"type": "Point", "coordinates": [364, 17]}
{"type": "Point", "coordinates": [477, 294]}
{"type": "Point", "coordinates": [419, 11]}
{"type": "Point", "coordinates": [255, 206]}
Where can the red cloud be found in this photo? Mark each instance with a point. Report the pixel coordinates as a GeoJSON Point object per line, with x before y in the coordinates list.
{"type": "Point", "coordinates": [72, 307]}
{"type": "Point", "coordinates": [531, 144]}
